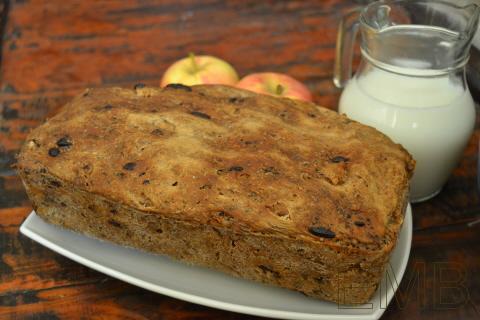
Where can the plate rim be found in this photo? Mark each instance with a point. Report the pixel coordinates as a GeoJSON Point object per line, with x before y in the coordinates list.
{"type": "Point", "coordinates": [217, 304]}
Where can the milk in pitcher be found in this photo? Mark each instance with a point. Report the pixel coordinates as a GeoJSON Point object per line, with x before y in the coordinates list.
{"type": "Point", "coordinates": [431, 117]}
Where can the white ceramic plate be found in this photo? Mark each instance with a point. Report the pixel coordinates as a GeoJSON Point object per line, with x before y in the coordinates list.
{"type": "Point", "coordinates": [210, 288]}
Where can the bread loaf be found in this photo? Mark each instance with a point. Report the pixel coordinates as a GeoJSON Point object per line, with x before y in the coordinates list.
{"type": "Point", "coordinates": [273, 190]}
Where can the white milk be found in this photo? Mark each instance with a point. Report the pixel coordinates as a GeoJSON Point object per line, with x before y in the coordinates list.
{"type": "Point", "coordinates": [432, 118]}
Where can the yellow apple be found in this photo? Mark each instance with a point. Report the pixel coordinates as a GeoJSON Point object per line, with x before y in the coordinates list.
{"type": "Point", "coordinates": [275, 84]}
{"type": "Point", "coordinates": [200, 70]}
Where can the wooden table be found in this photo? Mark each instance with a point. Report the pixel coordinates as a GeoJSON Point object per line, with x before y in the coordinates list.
{"type": "Point", "coordinates": [51, 50]}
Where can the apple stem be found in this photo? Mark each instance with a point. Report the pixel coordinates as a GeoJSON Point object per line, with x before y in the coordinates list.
{"type": "Point", "coordinates": [279, 90]}
{"type": "Point", "coordinates": [191, 55]}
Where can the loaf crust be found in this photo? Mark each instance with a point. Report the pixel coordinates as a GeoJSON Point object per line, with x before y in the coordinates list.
{"type": "Point", "coordinates": [274, 190]}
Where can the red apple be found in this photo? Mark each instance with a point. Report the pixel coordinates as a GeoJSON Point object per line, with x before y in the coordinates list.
{"type": "Point", "coordinates": [200, 70]}
{"type": "Point", "coordinates": [275, 84]}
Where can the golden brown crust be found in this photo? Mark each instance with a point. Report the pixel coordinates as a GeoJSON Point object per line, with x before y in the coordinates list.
{"type": "Point", "coordinates": [224, 157]}
{"type": "Point", "coordinates": [270, 164]}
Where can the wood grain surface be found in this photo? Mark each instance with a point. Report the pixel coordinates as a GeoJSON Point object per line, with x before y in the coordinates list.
{"type": "Point", "coordinates": [52, 50]}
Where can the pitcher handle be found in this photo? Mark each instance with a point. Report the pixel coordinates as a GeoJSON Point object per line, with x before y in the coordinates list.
{"type": "Point", "coordinates": [347, 33]}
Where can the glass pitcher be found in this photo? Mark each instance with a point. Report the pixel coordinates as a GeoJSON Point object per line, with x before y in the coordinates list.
{"type": "Point", "coordinates": [411, 82]}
